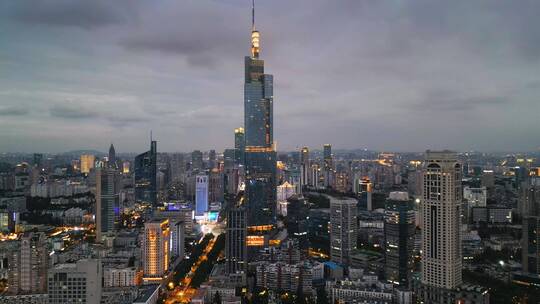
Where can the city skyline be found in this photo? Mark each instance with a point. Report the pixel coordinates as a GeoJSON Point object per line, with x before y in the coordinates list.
{"type": "Point", "coordinates": [80, 75]}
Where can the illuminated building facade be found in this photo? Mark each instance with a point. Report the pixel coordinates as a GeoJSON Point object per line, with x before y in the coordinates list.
{"type": "Point", "coordinates": [156, 252]}
{"type": "Point", "coordinates": [239, 145]}
{"type": "Point", "coordinates": [29, 264]}
{"type": "Point", "coordinates": [343, 229]}
{"type": "Point", "coordinates": [107, 201]}
{"type": "Point", "coordinates": [235, 245]}
{"type": "Point", "coordinates": [260, 155]}
{"type": "Point", "coordinates": [87, 163]}
{"type": "Point", "coordinates": [529, 206]}
{"type": "Point", "coordinates": [441, 221]}
{"type": "Point", "coordinates": [201, 194]}
{"type": "Point", "coordinates": [146, 175]}
{"type": "Point", "coordinates": [304, 167]}
{"type": "Point", "coordinates": [328, 172]}
{"type": "Point", "coordinates": [399, 228]}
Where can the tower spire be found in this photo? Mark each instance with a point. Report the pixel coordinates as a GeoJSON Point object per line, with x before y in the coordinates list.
{"type": "Point", "coordinates": [255, 36]}
{"type": "Point", "coordinates": [252, 15]}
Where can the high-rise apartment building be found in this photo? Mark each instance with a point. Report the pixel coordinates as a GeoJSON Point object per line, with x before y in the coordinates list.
{"type": "Point", "coordinates": [78, 282]}
{"type": "Point", "coordinates": [87, 163]}
{"type": "Point", "coordinates": [235, 245]}
{"type": "Point", "coordinates": [201, 194]}
{"type": "Point", "coordinates": [156, 252]}
{"type": "Point", "coordinates": [441, 221]}
{"type": "Point", "coordinates": [29, 264]}
{"type": "Point", "coordinates": [146, 175]}
{"type": "Point", "coordinates": [399, 228]}
{"type": "Point", "coordinates": [107, 201]}
{"type": "Point", "coordinates": [343, 229]}
{"type": "Point", "coordinates": [260, 154]}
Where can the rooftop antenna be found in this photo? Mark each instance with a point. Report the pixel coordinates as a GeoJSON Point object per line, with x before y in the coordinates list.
{"type": "Point", "coordinates": [150, 135]}
{"type": "Point", "coordinates": [252, 15]}
{"type": "Point", "coordinates": [255, 35]}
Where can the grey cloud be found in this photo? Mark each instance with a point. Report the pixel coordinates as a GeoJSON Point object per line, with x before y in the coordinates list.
{"type": "Point", "coordinates": [452, 102]}
{"type": "Point", "coordinates": [13, 111]}
{"type": "Point", "coordinates": [72, 112]}
{"type": "Point", "coordinates": [66, 13]}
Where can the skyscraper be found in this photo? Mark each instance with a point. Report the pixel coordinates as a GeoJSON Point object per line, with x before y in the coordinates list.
{"type": "Point", "coordinates": [87, 163]}
{"type": "Point", "coordinates": [196, 160]}
{"type": "Point", "coordinates": [328, 165]}
{"type": "Point", "coordinates": [212, 159]}
{"type": "Point", "coordinates": [235, 246]}
{"type": "Point", "coordinates": [146, 175]}
{"type": "Point", "coordinates": [107, 201]}
{"type": "Point", "coordinates": [441, 222]}
{"type": "Point", "coordinates": [260, 154]}
{"type": "Point", "coordinates": [156, 253]}
{"type": "Point", "coordinates": [201, 194]}
{"type": "Point", "coordinates": [304, 167]}
{"type": "Point", "coordinates": [239, 145]}
{"type": "Point", "coordinates": [343, 229]}
{"type": "Point", "coordinates": [529, 206]}
{"type": "Point", "coordinates": [29, 264]}
{"type": "Point", "coordinates": [178, 232]}
{"type": "Point", "coordinates": [399, 228]}
{"type": "Point", "coordinates": [112, 157]}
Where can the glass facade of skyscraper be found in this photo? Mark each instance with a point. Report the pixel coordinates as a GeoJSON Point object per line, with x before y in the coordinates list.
{"type": "Point", "coordinates": [145, 175]}
{"type": "Point", "coordinates": [260, 156]}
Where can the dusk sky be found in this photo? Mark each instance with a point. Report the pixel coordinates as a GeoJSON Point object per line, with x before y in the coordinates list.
{"type": "Point", "coordinates": [384, 75]}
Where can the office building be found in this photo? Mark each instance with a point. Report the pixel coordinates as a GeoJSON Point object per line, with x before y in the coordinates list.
{"type": "Point", "coordinates": [146, 175]}
{"type": "Point", "coordinates": [29, 264]}
{"type": "Point", "coordinates": [530, 210]}
{"type": "Point", "coordinates": [212, 159]}
{"type": "Point", "coordinates": [343, 229]}
{"type": "Point", "coordinates": [328, 165]}
{"type": "Point", "coordinates": [112, 157]}
{"type": "Point", "coordinates": [201, 194]}
{"type": "Point", "coordinates": [441, 222]}
{"type": "Point", "coordinates": [235, 243]}
{"type": "Point", "coordinates": [78, 282]}
{"type": "Point", "coordinates": [87, 163]}
{"type": "Point", "coordinates": [399, 228]}
{"type": "Point", "coordinates": [215, 186]}
{"type": "Point", "coordinates": [260, 154]}
{"type": "Point", "coordinates": [304, 168]}
{"type": "Point", "coordinates": [178, 234]}
{"type": "Point", "coordinates": [197, 160]}
{"type": "Point", "coordinates": [38, 158]}
{"type": "Point", "coordinates": [363, 187]}
{"type": "Point", "coordinates": [156, 252]}
{"type": "Point", "coordinates": [7, 223]}
{"type": "Point", "coordinates": [107, 201]}
{"type": "Point", "coordinates": [239, 145]}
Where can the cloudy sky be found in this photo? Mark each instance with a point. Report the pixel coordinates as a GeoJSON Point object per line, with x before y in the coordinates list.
{"type": "Point", "coordinates": [389, 75]}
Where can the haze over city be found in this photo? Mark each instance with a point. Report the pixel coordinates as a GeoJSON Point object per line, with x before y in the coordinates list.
{"type": "Point", "coordinates": [384, 75]}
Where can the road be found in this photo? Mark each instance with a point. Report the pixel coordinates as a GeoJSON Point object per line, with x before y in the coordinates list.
{"type": "Point", "coordinates": [184, 292]}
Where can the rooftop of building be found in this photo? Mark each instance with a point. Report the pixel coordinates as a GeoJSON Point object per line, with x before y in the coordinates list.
{"type": "Point", "coordinates": [145, 292]}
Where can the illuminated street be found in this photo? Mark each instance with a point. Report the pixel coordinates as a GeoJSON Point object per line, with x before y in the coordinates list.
{"type": "Point", "coordinates": [183, 291]}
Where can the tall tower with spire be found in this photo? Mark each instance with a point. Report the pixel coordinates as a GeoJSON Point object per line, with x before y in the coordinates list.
{"type": "Point", "coordinates": [112, 157]}
{"type": "Point", "coordinates": [260, 154]}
